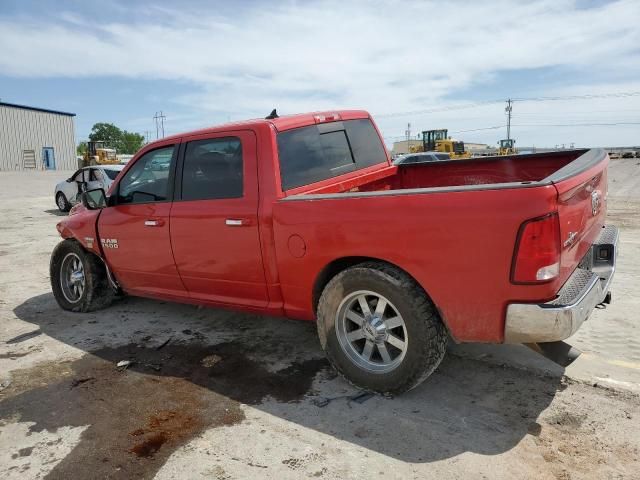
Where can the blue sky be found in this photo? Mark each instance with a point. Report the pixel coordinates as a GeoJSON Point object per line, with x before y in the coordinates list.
{"type": "Point", "coordinates": [205, 63]}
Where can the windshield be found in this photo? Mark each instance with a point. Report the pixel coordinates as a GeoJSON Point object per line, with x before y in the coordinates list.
{"type": "Point", "coordinates": [318, 152]}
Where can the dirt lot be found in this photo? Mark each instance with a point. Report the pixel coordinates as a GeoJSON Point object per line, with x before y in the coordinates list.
{"type": "Point", "coordinates": [224, 395]}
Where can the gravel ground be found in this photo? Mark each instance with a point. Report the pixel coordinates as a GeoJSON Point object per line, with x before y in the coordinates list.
{"type": "Point", "coordinates": [225, 395]}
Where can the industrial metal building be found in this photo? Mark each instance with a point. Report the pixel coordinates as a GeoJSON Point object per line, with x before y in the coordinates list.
{"type": "Point", "coordinates": [36, 138]}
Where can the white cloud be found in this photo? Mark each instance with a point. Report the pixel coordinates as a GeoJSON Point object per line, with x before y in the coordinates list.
{"type": "Point", "coordinates": [382, 56]}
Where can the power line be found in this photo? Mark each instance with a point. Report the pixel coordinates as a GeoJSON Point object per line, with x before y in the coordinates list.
{"type": "Point", "coordinates": [497, 127]}
{"type": "Point", "coordinates": [604, 124]}
{"type": "Point", "coordinates": [517, 99]}
{"type": "Point", "coordinates": [439, 109]}
{"type": "Point", "coordinates": [579, 97]}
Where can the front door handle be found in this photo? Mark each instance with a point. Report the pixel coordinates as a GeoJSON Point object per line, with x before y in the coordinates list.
{"type": "Point", "coordinates": [237, 222]}
{"type": "Point", "coordinates": [153, 223]}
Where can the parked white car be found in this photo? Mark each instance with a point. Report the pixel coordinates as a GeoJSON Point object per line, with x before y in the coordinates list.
{"type": "Point", "coordinates": [68, 192]}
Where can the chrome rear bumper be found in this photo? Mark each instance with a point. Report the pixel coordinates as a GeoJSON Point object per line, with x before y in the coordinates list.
{"type": "Point", "coordinates": [587, 287]}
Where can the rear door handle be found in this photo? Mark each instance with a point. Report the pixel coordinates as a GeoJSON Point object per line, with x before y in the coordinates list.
{"type": "Point", "coordinates": [153, 223]}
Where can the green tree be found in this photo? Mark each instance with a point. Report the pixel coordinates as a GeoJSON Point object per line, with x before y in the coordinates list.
{"type": "Point", "coordinates": [131, 142]}
{"type": "Point", "coordinates": [113, 137]}
{"type": "Point", "coordinates": [81, 148]}
{"type": "Point", "coordinates": [107, 133]}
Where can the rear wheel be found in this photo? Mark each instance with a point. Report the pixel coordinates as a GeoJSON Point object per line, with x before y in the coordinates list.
{"type": "Point", "coordinates": [62, 203]}
{"type": "Point", "coordinates": [78, 278]}
{"type": "Point", "coordinates": [379, 329]}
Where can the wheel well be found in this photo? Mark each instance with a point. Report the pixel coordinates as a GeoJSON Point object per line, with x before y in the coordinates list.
{"type": "Point", "coordinates": [340, 264]}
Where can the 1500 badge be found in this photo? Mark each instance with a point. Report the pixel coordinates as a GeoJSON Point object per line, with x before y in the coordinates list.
{"type": "Point", "coordinates": [109, 242]}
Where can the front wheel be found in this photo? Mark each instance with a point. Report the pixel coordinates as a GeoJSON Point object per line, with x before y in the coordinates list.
{"type": "Point", "coordinates": [379, 329]}
{"type": "Point", "coordinates": [78, 278]}
{"type": "Point", "coordinates": [62, 203]}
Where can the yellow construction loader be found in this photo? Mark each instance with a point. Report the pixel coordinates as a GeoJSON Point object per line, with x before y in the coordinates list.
{"type": "Point", "coordinates": [97, 154]}
{"type": "Point", "coordinates": [507, 147]}
{"type": "Point", "coordinates": [439, 141]}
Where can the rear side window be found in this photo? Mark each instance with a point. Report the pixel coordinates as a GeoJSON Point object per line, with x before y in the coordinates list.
{"type": "Point", "coordinates": [112, 174]}
{"type": "Point", "coordinates": [212, 169]}
{"type": "Point", "coordinates": [318, 152]}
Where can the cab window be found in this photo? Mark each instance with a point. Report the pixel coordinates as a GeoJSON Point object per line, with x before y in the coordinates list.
{"type": "Point", "coordinates": [212, 169]}
{"type": "Point", "coordinates": [148, 179]}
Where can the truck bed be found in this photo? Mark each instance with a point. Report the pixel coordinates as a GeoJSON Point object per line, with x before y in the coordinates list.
{"type": "Point", "coordinates": [445, 223]}
{"type": "Point", "coordinates": [474, 173]}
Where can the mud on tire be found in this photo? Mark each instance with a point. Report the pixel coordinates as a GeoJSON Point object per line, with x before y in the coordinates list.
{"type": "Point", "coordinates": [423, 330]}
{"type": "Point", "coordinates": [78, 278]}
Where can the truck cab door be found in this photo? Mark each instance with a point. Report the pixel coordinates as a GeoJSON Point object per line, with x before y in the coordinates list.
{"type": "Point", "coordinates": [214, 220]}
{"type": "Point", "coordinates": [134, 228]}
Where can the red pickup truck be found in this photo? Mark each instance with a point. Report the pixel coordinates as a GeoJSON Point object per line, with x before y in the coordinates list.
{"type": "Point", "coordinates": [305, 216]}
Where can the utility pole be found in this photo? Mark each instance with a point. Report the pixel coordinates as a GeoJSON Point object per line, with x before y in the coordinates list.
{"type": "Point", "coordinates": [155, 119]}
{"type": "Point", "coordinates": [508, 109]}
{"type": "Point", "coordinates": [159, 119]}
{"type": "Point", "coordinates": [408, 134]}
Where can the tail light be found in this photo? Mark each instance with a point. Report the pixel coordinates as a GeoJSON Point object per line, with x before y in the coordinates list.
{"type": "Point", "coordinates": [537, 255]}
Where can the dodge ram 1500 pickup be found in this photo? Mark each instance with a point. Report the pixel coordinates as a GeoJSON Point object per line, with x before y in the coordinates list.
{"type": "Point", "coordinates": [305, 216]}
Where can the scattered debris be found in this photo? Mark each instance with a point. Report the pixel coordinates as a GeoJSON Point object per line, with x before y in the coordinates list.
{"type": "Point", "coordinates": [124, 364]}
{"type": "Point", "coordinates": [14, 355]}
{"type": "Point", "coordinates": [79, 381]}
{"type": "Point", "coordinates": [322, 401]}
{"type": "Point", "coordinates": [361, 397]}
{"type": "Point", "coordinates": [164, 344]}
{"type": "Point", "coordinates": [358, 398]}
{"type": "Point", "coordinates": [210, 360]}
{"type": "Point", "coordinates": [4, 384]}
{"type": "Point", "coordinates": [24, 336]}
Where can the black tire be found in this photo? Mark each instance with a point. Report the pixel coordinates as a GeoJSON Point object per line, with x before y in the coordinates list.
{"type": "Point", "coordinates": [96, 293]}
{"type": "Point", "coordinates": [62, 203]}
{"type": "Point", "coordinates": [427, 336]}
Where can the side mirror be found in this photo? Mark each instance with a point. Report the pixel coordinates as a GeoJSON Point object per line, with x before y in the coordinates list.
{"type": "Point", "coordinates": [94, 199]}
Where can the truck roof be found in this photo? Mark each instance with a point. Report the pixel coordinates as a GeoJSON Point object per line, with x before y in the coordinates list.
{"type": "Point", "coordinates": [282, 123]}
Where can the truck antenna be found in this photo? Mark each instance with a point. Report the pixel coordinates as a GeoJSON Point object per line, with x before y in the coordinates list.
{"type": "Point", "coordinates": [272, 115]}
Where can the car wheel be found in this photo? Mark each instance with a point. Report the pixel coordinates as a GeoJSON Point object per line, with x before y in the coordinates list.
{"type": "Point", "coordinates": [78, 278]}
{"type": "Point", "coordinates": [379, 329]}
{"type": "Point", "coordinates": [62, 203]}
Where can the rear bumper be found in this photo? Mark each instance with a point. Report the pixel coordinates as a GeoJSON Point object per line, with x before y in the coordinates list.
{"type": "Point", "coordinates": [587, 287]}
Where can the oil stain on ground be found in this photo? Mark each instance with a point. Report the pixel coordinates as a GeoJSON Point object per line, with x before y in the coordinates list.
{"type": "Point", "coordinates": [138, 417]}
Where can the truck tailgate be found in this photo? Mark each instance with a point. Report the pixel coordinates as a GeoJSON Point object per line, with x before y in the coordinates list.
{"type": "Point", "coordinates": [582, 193]}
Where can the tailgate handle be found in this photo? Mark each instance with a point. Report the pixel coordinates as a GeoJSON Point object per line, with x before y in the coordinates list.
{"type": "Point", "coordinates": [153, 223]}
